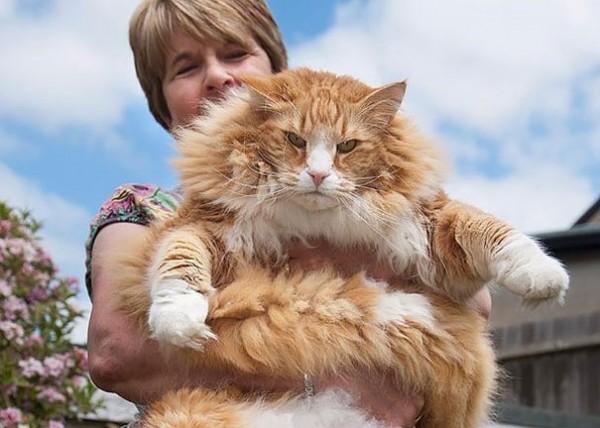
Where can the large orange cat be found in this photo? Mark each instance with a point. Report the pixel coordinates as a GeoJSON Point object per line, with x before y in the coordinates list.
{"type": "Point", "coordinates": [303, 155]}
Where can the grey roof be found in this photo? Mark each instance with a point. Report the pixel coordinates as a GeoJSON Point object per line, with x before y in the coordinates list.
{"type": "Point", "coordinates": [589, 213]}
{"type": "Point", "coordinates": [585, 236]}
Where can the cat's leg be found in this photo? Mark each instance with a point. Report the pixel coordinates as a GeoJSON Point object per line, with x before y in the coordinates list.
{"type": "Point", "coordinates": [179, 281]}
{"type": "Point", "coordinates": [462, 396]}
{"type": "Point", "coordinates": [194, 408]}
{"type": "Point", "coordinates": [472, 248]}
{"type": "Point", "coordinates": [451, 363]}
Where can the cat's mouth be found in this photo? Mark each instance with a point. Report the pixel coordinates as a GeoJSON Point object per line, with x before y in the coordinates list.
{"type": "Point", "coordinates": [316, 201]}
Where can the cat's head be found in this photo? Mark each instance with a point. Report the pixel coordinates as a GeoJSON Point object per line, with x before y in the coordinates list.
{"type": "Point", "coordinates": [315, 139]}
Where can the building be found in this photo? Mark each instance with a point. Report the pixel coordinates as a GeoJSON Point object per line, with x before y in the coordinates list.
{"type": "Point", "coordinates": [551, 354]}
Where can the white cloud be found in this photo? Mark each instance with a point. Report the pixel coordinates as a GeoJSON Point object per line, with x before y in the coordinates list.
{"type": "Point", "coordinates": [79, 333]}
{"type": "Point", "coordinates": [534, 199]}
{"type": "Point", "coordinates": [517, 80]}
{"type": "Point", "coordinates": [65, 224]}
{"type": "Point", "coordinates": [479, 62]}
{"type": "Point", "coordinates": [70, 64]}
{"type": "Point", "coordinates": [6, 8]}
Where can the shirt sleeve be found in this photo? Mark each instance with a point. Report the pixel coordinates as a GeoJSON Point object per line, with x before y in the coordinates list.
{"type": "Point", "coordinates": [130, 203]}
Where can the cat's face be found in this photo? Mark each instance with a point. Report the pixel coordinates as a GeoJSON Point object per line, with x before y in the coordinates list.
{"type": "Point", "coordinates": [314, 139]}
{"type": "Point", "coordinates": [323, 137]}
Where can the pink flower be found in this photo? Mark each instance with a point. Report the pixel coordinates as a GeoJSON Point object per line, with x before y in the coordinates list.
{"type": "Point", "coordinates": [79, 381]}
{"type": "Point", "coordinates": [5, 288]}
{"type": "Point", "coordinates": [15, 308]}
{"type": "Point", "coordinates": [54, 366]}
{"type": "Point", "coordinates": [12, 331]}
{"type": "Point", "coordinates": [11, 415]}
{"type": "Point", "coordinates": [23, 230]}
{"type": "Point", "coordinates": [32, 367]}
{"type": "Point", "coordinates": [81, 357]}
{"type": "Point", "coordinates": [43, 257]}
{"type": "Point", "coordinates": [41, 277]}
{"type": "Point", "coordinates": [27, 269]}
{"type": "Point", "coordinates": [55, 424]}
{"type": "Point", "coordinates": [51, 395]}
{"type": "Point", "coordinates": [21, 247]}
{"type": "Point", "coordinates": [38, 294]}
{"type": "Point", "coordinates": [33, 340]}
{"type": "Point", "coordinates": [5, 226]}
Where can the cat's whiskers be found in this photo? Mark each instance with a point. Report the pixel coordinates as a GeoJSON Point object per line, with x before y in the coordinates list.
{"type": "Point", "coordinates": [377, 215]}
{"type": "Point", "coordinates": [368, 222]}
{"type": "Point", "coordinates": [372, 178]}
{"type": "Point", "coordinates": [231, 180]}
{"type": "Point", "coordinates": [259, 192]}
{"type": "Point", "coordinates": [279, 194]}
{"type": "Point", "coordinates": [381, 219]}
{"type": "Point", "coordinates": [381, 214]}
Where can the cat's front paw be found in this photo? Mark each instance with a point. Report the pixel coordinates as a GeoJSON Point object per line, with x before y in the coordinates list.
{"type": "Point", "coordinates": [177, 315]}
{"type": "Point", "coordinates": [533, 275]}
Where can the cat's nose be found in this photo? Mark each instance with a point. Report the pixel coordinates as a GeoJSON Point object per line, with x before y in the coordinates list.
{"type": "Point", "coordinates": [318, 176]}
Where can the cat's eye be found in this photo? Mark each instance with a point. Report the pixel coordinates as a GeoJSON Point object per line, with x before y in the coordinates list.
{"type": "Point", "coordinates": [295, 140]}
{"type": "Point", "coordinates": [347, 146]}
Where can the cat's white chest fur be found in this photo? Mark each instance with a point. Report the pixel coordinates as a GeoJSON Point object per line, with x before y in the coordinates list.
{"type": "Point", "coordinates": [402, 243]}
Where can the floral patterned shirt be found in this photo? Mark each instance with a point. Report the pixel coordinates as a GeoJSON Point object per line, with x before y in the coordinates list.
{"type": "Point", "coordinates": [130, 203]}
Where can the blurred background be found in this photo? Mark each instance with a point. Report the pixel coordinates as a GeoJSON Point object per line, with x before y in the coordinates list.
{"type": "Point", "coordinates": [509, 88]}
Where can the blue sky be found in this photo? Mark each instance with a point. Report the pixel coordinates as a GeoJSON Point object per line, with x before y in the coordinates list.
{"type": "Point", "coordinates": [510, 89]}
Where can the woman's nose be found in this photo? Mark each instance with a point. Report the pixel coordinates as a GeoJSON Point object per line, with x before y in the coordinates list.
{"type": "Point", "coordinates": [218, 78]}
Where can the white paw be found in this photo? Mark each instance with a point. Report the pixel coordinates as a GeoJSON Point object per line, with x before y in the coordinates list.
{"type": "Point", "coordinates": [177, 315]}
{"type": "Point", "coordinates": [533, 275]}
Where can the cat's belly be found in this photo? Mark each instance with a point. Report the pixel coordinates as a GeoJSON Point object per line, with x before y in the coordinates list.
{"type": "Point", "coordinates": [328, 409]}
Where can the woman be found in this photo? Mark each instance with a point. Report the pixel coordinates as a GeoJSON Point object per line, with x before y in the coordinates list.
{"type": "Point", "coordinates": [187, 51]}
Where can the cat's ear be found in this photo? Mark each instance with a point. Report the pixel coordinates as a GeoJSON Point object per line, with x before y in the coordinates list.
{"type": "Point", "coordinates": [385, 101]}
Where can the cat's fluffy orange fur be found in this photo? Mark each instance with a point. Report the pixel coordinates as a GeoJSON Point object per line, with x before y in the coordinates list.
{"type": "Point", "coordinates": [304, 155]}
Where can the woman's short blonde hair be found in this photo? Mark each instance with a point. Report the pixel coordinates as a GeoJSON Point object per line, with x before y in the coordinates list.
{"type": "Point", "coordinates": [236, 21]}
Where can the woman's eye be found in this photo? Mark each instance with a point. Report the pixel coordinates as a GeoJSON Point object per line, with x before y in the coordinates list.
{"type": "Point", "coordinates": [185, 69]}
{"type": "Point", "coordinates": [295, 140]}
{"type": "Point", "coordinates": [237, 54]}
{"type": "Point", "coordinates": [347, 146]}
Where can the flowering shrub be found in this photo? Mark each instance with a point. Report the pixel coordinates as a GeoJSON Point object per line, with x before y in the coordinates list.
{"type": "Point", "coordinates": [42, 373]}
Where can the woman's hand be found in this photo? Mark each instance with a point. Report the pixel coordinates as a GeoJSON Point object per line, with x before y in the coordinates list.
{"type": "Point", "coordinates": [321, 255]}
{"type": "Point", "coordinates": [378, 397]}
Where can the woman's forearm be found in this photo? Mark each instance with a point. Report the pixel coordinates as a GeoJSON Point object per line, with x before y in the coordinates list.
{"type": "Point", "coordinates": [121, 359]}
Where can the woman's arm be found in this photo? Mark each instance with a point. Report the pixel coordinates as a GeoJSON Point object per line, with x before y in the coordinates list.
{"type": "Point", "coordinates": [120, 359]}
{"type": "Point", "coordinates": [321, 254]}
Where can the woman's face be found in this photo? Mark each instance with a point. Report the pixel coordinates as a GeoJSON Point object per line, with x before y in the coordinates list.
{"type": "Point", "coordinates": [196, 71]}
